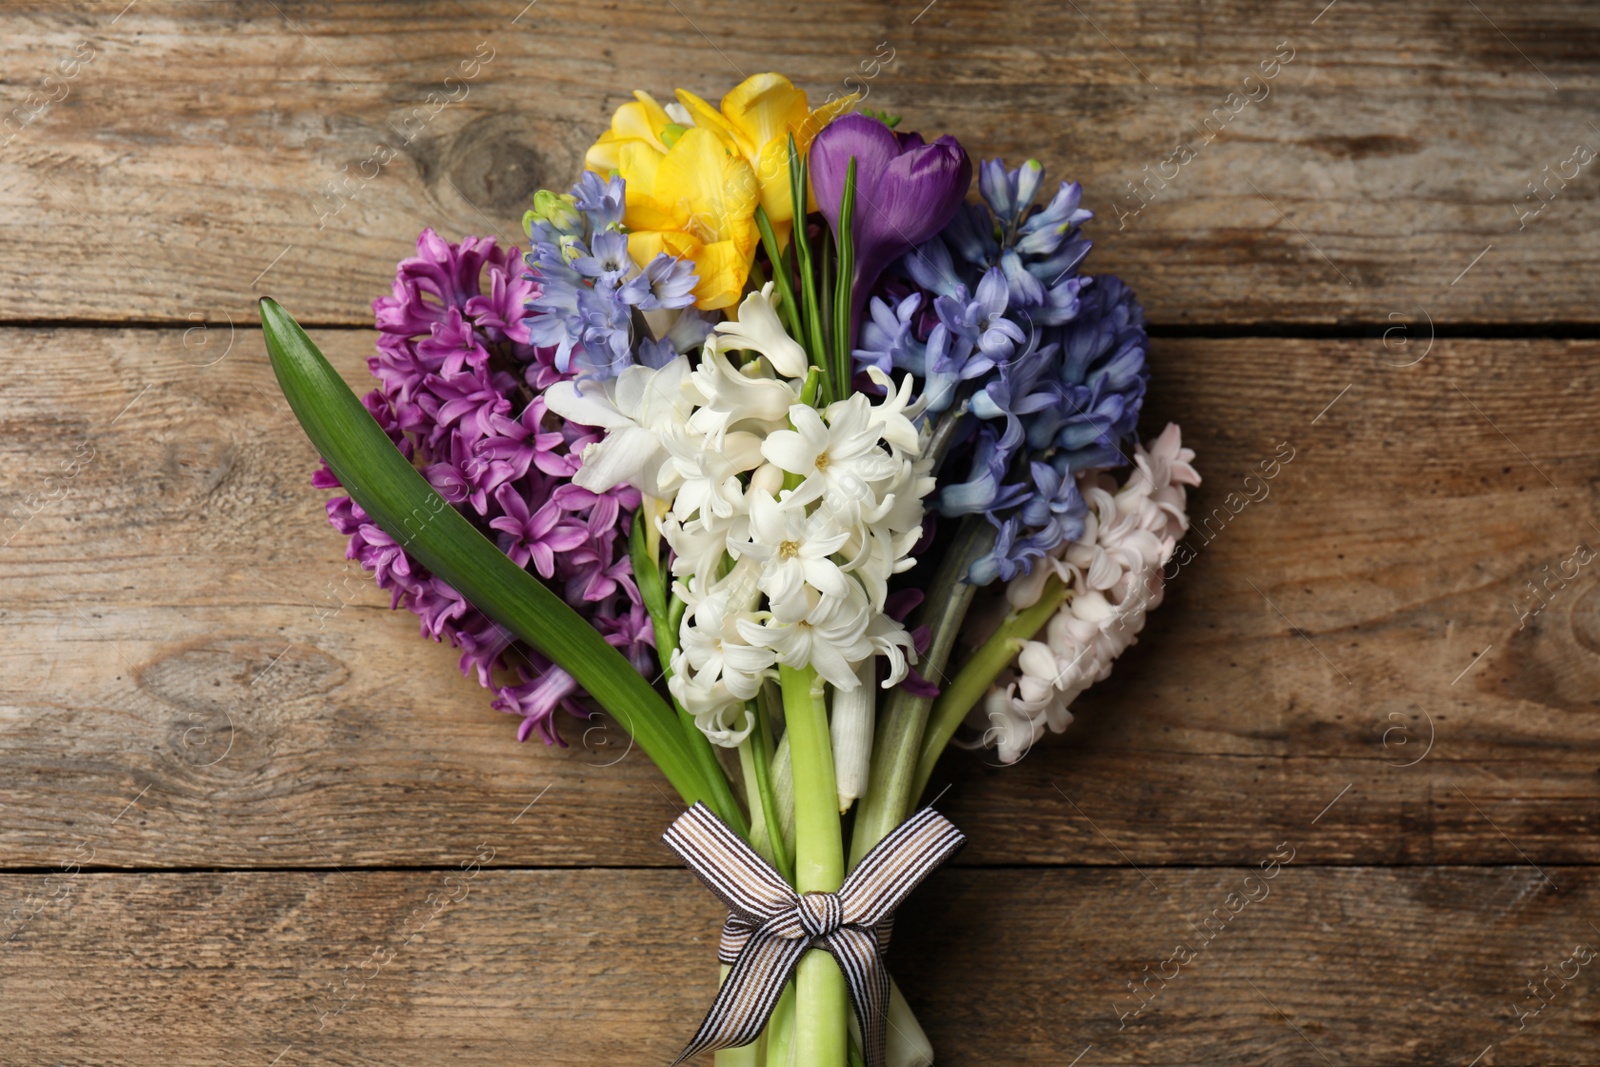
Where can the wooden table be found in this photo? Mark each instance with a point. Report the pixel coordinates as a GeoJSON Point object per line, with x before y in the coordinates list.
{"type": "Point", "coordinates": [235, 788]}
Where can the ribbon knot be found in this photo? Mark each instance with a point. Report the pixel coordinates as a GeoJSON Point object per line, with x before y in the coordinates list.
{"type": "Point", "coordinates": [770, 926]}
{"type": "Point", "coordinates": [820, 913]}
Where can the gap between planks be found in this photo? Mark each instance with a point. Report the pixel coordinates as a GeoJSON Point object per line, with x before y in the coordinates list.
{"type": "Point", "coordinates": [1351, 331]}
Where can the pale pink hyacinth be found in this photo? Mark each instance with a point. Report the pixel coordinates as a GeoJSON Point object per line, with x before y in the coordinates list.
{"type": "Point", "coordinates": [1113, 574]}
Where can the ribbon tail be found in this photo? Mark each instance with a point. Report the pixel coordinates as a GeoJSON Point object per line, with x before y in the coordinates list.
{"type": "Point", "coordinates": [748, 997]}
{"type": "Point", "coordinates": [736, 933]}
{"type": "Point", "coordinates": [867, 978]}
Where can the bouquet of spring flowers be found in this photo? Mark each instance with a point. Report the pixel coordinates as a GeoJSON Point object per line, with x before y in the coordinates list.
{"type": "Point", "coordinates": [775, 443]}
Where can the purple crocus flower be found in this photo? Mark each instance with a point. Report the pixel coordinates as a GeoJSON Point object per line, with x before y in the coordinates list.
{"type": "Point", "coordinates": [906, 190]}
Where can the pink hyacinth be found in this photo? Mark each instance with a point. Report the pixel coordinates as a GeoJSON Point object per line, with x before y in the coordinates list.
{"type": "Point", "coordinates": [458, 393]}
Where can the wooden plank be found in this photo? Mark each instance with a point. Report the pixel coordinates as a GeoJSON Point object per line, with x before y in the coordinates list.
{"type": "Point", "coordinates": [1016, 967]}
{"type": "Point", "coordinates": [1370, 628]}
{"type": "Point", "coordinates": [171, 634]}
{"type": "Point", "coordinates": [1388, 165]}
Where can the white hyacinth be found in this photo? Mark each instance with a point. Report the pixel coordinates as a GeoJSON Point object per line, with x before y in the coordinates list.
{"type": "Point", "coordinates": [785, 522]}
{"type": "Point", "coordinates": [1113, 575]}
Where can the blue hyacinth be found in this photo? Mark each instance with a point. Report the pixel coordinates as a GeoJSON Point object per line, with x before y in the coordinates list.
{"type": "Point", "coordinates": [585, 310]}
{"type": "Point", "coordinates": [1050, 363]}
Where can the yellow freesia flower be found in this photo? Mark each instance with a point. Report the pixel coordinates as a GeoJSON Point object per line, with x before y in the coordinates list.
{"type": "Point", "coordinates": [692, 191]}
{"type": "Point", "coordinates": [642, 122]}
{"type": "Point", "coordinates": [697, 201]}
{"type": "Point", "coordinates": [756, 120]}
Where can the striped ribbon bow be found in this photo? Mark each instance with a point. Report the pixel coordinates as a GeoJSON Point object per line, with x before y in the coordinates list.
{"type": "Point", "coordinates": [770, 926]}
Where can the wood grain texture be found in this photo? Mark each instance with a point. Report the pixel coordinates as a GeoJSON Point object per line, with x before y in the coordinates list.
{"type": "Point", "coordinates": [1345, 966]}
{"type": "Point", "coordinates": [178, 628]}
{"type": "Point", "coordinates": [1386, 168]}
{"type": "Point", "coordinates": [243, 801]}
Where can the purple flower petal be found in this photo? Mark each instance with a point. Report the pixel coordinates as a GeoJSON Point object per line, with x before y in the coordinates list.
{"type": "Point", "coordinates": [906, 191]}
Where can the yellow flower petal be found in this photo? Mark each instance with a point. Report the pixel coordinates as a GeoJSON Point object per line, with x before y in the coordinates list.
{"type": "Point", "coordinates": [652, 117]}
{"type": "Point", "coordinates": [764, 108]}
{"type": "Point", "coordinates": [638, 164]}
{"type": "Point", "coordinates": [772, 175]}
{"type": "Point", "coordinates": [645, 245]}
{"type": "Point", "coordinates": [640, 167]}
{"type": "Point", "coordinates": [815, 124]}
{"type": "Point", "coordinates": [696, 202]}
{"type": "Point", "coordinates": [640, 122]}
{"type": "Point", "coordinates": [711, 189]}
{"type": "Point", "coordinates": [709, 118]}
{"type": "Point", "coordinates": [602, 155]}
{"type": "Point", "coordinates": [723, 268]}
{"type": "Point", "coordinates": [696, 198]}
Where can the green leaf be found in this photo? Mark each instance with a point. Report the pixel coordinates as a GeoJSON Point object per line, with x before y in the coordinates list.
{"type": "Point", "coordinates": [647, 574]}
{"type": "Point", "coordinates": [407, 508]}
{"type": "Point", "coordinates": [781, 271]}
{"type": "Point", "coordinates": [844, 299]}
{"type": "Point", "coordinates": [810, 307]}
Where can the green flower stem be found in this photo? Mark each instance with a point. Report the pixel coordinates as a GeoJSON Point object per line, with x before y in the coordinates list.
{"type": "Point", "coordinates": [985, 665]}
{"type": "Point", "coordinates": [843, 300]}
{"type": "Point", "coordinates": [780, 1031]}
{"type": "Point", "coordinates": [743, 1056]}
{"type": "Point", "coordinates": [700, 746]}
{"type": "Point", "coordinates": [405, 506]}
{"type": "Point", "coordinates": [819, 845]}
{"type": "Point", "coordinates": [780, 274]}
{"type": "Point", "coordinates": [808, 394]}
{"type": "Point", "coordinates": [904, 718]}
{"type": "Point", "coordinates": [760, 837]}
{"type": "Point", "coordinates": [755, 757]}
{"type": "Point", "coordinates": [907, 1043]}
{"type": "Point", "coordinates": [822, 1011]}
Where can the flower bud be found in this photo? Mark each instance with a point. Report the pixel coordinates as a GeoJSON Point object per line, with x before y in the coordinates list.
{"type": "Point", "coordinates": [560, 211]}
{"type": "Point", "coordinates": [768, 478]}
{"type": "Point", "coordinates": [853, 711]}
